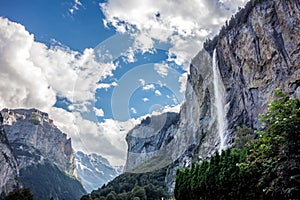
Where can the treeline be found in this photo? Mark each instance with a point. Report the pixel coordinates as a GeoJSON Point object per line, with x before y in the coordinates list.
{"type": "Point", "coordinates": [235, 21]}
{"type": "Point", "coordinates": [18, 194]}
{"type": "Point", "coordinates": [133, 186]}
{"type": "Point", "coordinates": [267, 167]}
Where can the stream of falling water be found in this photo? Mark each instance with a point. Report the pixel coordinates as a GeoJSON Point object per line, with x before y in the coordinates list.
{"type": "Point", "coordinates": [219, 91]}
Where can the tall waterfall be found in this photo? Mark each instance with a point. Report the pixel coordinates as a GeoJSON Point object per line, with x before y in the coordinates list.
{"type": "Point", "coordinates": [219, 91]}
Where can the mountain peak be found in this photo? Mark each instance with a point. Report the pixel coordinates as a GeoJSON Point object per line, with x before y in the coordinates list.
{"type": "Point", "coordinates": [94, 170]}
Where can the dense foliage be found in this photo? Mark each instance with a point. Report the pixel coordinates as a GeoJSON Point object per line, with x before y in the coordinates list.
{"type": "Point", "coordinates": [128, 186]}
{"type": "Point", "coordinates": [265, 168]}
{"type": "Point", "coordinates": [20, 194]}
{"type": "Point", "coordinates": [46, 181]}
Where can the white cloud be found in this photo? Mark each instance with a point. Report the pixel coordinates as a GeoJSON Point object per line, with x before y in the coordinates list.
{"type": "Point", "coordinates": [186, 29]}
{"type": "Point", "coordinates": [99, 112]}
{"type": "Point", "coordinates": [32, 74]}
{"type": "Point", "coordinates": [161, 69]}
{"type": "Point", "coordinates": [106, 138]}
{"type": "Point", "coordinates": [165, 109]}
{"type": "Point", "coordinates": [157, 92]}
{"type": "Point", "coordinates": [75, 6]}
{"type": "Point", "coordinates": [23, 84]}
{"type": "Point", "coordinates": [106, 85]}
{"type": "Point", "coordinates": [142, 81]}
{"type": "Point", "coordinates": [149, 87]}
{"type": "Point", "coordinates": [183, 80]}
{"type": "Point", "coordinates": [145, 99]}
{"type": "Point", "coordinates": [133, 110]}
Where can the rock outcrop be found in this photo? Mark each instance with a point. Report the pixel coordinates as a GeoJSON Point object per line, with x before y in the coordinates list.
{"type": "Point", "coordinates": [8, 170]}
{"type": "Point", "coordinates": [33, 129]}
{"type": "Point", "coordinates": [254, 57]}
{"type": "Point", "coordinates": [44, 155]}
{"type": "Point", "coordinates": [148, 140]}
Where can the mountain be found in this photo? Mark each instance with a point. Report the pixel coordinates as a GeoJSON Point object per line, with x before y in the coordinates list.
{"type": "Point", "coordinates": [8, 171]}
{"type": "Point", "coordinates": [94, 171]}
{"type": "Point", "coordinates": [44, 154]}
{"type": "Point", "coordinates": [148, 141]}
{"type": "Point", "coordinates": [231, 81]}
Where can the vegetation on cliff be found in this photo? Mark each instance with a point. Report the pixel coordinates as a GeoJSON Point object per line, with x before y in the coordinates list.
{"type": "Point", "coordinates": [266, 168]}
{"type": "Point", "coordinates": [235, 21]}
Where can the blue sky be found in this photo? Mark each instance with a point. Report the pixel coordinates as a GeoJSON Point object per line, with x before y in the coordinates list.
{"type": "Point", "coordinates": [58, 23]}
{"type": "Point", "coordinates": [52, 20]}
{"type": "Point", "coordinates": [97, 67]}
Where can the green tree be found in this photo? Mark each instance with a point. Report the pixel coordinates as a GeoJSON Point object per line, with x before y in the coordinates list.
{"type": "Point", "coordinates": [264, 168]}
{"type": "Point", "coordinates": [85, 197]}
{"type": "Point", "coordinates": [20, 194]}
{"type": "Point", "coordinates": [112, 196]}
{"type": "Point", "coordinates": [243, 135]}
{"type": "Point", "coordinates": [139, 192]}
{"type": "Point", "coordinates": [276, 153]}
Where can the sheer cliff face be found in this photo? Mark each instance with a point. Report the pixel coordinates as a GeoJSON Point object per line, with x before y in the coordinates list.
{"type": "Point", "coordinates": [258, 57]}
{"type": "Point", "coordinates": [254, 58]}
{"type": "Point", "coordinates": [8, 163]}
{"type": "Point", "coordinates": [150, 141]}
{"type": "Point", "coordinates": [36, 154]}
{"type": "Point", "coordinates": [32, 132]}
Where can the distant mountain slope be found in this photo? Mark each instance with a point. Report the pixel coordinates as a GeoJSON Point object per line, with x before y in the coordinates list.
{"type": "Point", "coordinates": [93, 170]}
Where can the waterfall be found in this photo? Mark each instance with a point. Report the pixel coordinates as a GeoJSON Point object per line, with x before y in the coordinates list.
{"type": "Point", "coordinates": [219, 91]}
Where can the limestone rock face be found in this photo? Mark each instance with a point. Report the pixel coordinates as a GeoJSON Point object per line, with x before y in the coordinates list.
{"type": "Point", "coordinates": [150, 140]}
{"type": "Point", "coordinates": [8, 171]}
{"type": "Point", "coordinates": [43, 157]}
{"type": "Point", "coordinates": [32, 130]}
{"type": "Point", "coordinates": [254, 58]}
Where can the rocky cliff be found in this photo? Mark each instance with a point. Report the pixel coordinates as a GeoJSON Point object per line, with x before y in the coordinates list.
{"type": "Point", "coordinates": [8, 170]}
{"type": "Point", "coordinates": [33, 129]}
{"type": "Point", "coordinates": [257, 54]}
{"type": "Point", "coordinates": [43, 153]}
{"type": "Point", "coordinates": [148, 140]}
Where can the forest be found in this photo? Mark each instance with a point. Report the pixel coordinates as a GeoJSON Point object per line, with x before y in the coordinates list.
{"type": "Point", "coordinates": [133, 186]}
{"type": "Point", "coordinates": [262, 164]}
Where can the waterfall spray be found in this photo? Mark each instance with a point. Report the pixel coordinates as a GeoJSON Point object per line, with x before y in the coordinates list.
{"type": "Point", "coordinates": [219, 91]}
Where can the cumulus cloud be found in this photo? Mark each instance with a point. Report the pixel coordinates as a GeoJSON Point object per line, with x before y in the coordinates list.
{"type": "Point", "coordinates": [183, 80]}
{"type": "Point", "coordinates": [133, 110]}
{"type": "Point", "coordinates": [75, 6]}
{"type": "Point", "coordinates": [32, 74]}
{"type": "Point", "coordinates": [23, 84]}
{"type": "Point", "coordinates": [161, 69]}
{"type": "Point", "coordinates": [99, 112]}
{"type": "Point", "coordinates": [142, 81]}
{"type": "Point", "coordinates": [157, 92]}
{"type": "Point", "coordinates": [149, 87]}
{"type": "Point", "coordinates": [106, 138]}
{"type": "Point", "coordinates": [106, 85]}
{"type": "Point", "coordinates": [145, 99]}
{"type": "Point", "coordinates": [186, 29]}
